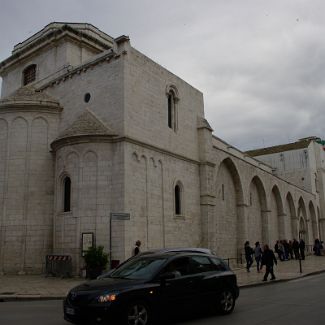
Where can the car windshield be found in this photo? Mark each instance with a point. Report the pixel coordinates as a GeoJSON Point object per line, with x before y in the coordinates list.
{"type": "Point", "coordinates": [139, 268]}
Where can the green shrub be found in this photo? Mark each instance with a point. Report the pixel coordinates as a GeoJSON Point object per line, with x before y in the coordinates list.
{"type": "Point", "coordinates": [96, 258]}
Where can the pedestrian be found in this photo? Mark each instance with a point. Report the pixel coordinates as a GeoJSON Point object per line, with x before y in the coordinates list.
{"type": "Point", "coordinates": [248, 255]}
{"type": "Point", "coordinates": [278, 248]}
{"type": "Point", "coordinates": [302, 247]}
{"type": "Point", "coordinates": [317, 247]}
{"type": "Point", "coordinates": [286, 249]}
{"type": "Point", "coordinates": [295, 246]}
{"type": "Point", "coordinates": [290, 250]}
{"type": "Point", "coordinates": [136, 249]}
{"type": "Point", "coordinates": [258, 255]}
{"type": "Point", "coordinates": [268, 259]}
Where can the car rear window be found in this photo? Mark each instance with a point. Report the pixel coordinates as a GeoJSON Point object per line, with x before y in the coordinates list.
{"type": "Point", "coordinates": [219, 265]}
{"type": "Point", "coordinates": [140, 268]}
{"type": "Point", "coordinates": [201, 264]}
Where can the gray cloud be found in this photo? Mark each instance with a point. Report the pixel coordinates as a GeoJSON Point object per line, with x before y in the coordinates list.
{"type": "Point", "coordinates": [259, 64]}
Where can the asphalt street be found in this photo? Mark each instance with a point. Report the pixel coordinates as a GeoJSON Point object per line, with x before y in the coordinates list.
{"type": "Point", "coordinates": [295, 302]}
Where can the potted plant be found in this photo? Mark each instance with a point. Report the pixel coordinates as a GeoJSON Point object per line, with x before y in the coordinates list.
{"type": "Point", "coordinates": [96, 260]}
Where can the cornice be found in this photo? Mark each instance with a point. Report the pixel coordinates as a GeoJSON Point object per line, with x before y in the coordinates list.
{"type": "Point", "coordinates": [53, 35]}
{"type": "Point", "coordinates": [108, 56]}
{"type": "Point", "coordinates": [79, 139]}
{"type": "Point", "coordinates": [45, 107]}
{"type": "Point", "coordinates": [62, 142]}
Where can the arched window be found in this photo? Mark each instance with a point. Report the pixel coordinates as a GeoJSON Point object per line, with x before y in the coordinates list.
{"type": "Point", "coordinates": [29, 74]}
{"type": "Point", "coordinates": [67, 194]}
{"type": "Point", "coordinates": [172, 99]}
{"type": "Point", "coordinates": [178, 193]}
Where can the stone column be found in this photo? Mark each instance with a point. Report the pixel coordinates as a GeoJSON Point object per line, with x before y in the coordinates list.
{"type": "Point", "coordinates": [242, 227]}
{"type": "Point", "coordinates": [207, 186]}
{"type": "Point", "coordinates": [281, 226]}
{"type": "Point", "coordinates": [266, 215]}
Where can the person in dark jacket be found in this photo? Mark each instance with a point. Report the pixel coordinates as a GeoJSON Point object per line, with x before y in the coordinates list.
{"type": "Point", "coordinates": [136, 249]}
{"type": "Point", "coordinates": [302, 247]}
{"type": "Point", "coordinates": [248, 255]}
{"type": "Point", "coordinates": [268, 259]}
{"type": "Point", "coordinates": [295, 246]}
{"type": "Point", "coordinates": [258, 255]}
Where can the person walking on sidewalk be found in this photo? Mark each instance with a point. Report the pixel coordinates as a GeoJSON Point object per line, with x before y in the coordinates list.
{"type": "Point", "coordinates": [248, 255]}
{"type": "Point", "coordinates": [302, 247]}
{"type": "Point", "coordinates": [268, 259]}
{"type": "Point", "coordinates": [295, 246]}
{"type": "Point", "coordinates": [258, 255]}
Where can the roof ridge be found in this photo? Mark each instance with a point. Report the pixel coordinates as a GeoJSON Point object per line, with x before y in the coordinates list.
{"type": "Point", "coordinates": [87, 123]}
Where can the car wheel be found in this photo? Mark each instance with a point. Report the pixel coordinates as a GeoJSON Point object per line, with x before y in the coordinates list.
{"type": "Point", "coordinates": [226, 302]}
{"type": "Point", "coordinates": [137, 313]}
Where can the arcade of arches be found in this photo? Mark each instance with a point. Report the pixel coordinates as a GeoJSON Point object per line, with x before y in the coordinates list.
{"type": "Point", "coordinates": [256, 209]}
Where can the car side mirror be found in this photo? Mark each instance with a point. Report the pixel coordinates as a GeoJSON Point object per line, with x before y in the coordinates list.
{"type": "Point", "coordinates": [167, 276]}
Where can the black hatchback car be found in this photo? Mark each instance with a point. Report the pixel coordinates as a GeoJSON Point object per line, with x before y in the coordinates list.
{"type": "Point", "coordinates": [153, 286]}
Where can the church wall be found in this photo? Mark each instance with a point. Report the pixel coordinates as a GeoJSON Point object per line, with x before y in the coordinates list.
{"type": "Point", "coordinates": [227, 215]}
{"type": "Point", "coordinates": [151, 177]}
{"type": "Point", "coordinates": [104, 83]}
{"type": "Point", "coordinates": [146, 106]}
{"type": "Point", "coordinates": [97, 188]}
{"type": "Point", "coordinates": [26, 190]}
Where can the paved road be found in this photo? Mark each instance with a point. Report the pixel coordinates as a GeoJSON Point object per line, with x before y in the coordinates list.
{"type": "Point", "coordinates": [297, 302]}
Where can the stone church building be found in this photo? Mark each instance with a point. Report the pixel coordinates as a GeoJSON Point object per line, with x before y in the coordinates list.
{"type": "Point", "coordinates": [91, 130]}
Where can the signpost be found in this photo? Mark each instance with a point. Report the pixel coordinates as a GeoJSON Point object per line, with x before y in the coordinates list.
{"type": "Point", "coordinates": [115, 216]}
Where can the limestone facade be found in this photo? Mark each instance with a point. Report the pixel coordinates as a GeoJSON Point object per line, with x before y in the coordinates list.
{"type": "Point", "coordinates": [130, 137]}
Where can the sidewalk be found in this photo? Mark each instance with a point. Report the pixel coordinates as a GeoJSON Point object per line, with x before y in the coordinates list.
{"type": "Point", "coordinates": [283, 271]}
{"type": "Point", "coordinates": [27, 287]}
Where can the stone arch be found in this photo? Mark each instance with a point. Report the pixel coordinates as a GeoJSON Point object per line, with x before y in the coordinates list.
{"type": "Point", "coordinates": [257, 209]}
{"type": "Point", "coordinates": [276, 222]}
{"type": "Point", "coordinates": [18, 137]}
{"type": "Point", "coordinates": [39, 135]}
{"type": "Point", "coordinates": [61, 183]}
{"type": "Point", "coordinates": [72, 163]}
{"type": "Point", "coordinates": [172, 107]}
{"type": "Point", "coordinates": [314, 225]}
{"type": "Point", "coordinates": [3, 152]}
{"type": "Point", "coordinates": [302, 221]}
{"type": "Point", "coordinates": [290, 227]}
{"type": "Point", "coordinates": [135, 157]}
{"type": "Point", "coordinates": [88, 184]}
{"type": "Point", "coordinates": [179, 203]}
{"type": "Point", "coordinates": [229, 221]}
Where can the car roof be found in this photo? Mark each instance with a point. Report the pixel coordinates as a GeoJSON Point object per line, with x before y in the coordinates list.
{"type": "Point", "coordinates": [177, 250]}
{"type": "Point", "coordinates": [169, 254]}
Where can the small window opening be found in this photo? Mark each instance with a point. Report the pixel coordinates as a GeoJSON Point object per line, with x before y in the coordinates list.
{"type": "Point", "coordinates": [172, 110]}
{"type": "Point", "coordinates": [87, 97]}
{"type": "Point", "coordinates": [178, 207]}
{"type": "Point", "coordinates": [29, 74]}
{"type": "Point", "coordinates": [67, 194]}
{"type": "Point", "coordinates": [170, 99]}
{"type": "Point", "coordinates": [223, 192]}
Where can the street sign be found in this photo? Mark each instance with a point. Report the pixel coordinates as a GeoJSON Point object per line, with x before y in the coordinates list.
{"type": "Point", "coordinates": [120, 216]}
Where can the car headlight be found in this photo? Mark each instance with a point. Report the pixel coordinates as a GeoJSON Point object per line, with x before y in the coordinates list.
{"type": "Point", "coordinates": [107, 297]}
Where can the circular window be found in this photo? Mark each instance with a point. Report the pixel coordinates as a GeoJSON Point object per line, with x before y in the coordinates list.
{"type": "Point", "coordinates": [87, 97]}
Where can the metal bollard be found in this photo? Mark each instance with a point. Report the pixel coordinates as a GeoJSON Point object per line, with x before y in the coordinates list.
{"type": "Point", "coordinates": [300, 266]}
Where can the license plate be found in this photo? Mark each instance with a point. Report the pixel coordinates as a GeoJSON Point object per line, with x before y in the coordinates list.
{"type": "Point", "coordinates": [69, 311]}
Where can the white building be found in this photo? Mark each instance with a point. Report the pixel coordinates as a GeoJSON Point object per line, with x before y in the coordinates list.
{"type": "Point", "coordinates": [89, 126]}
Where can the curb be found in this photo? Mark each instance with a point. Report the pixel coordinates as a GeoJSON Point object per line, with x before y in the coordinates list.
{"type": "Point", "coordinates": [21, 297]}
{"type": "Point", "coordinates": [262, 283]}
{"type": "Point", "coordinates": [7, 298]}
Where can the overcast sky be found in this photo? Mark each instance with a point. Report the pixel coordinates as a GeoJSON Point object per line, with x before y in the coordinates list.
{"type": "Point", "coordinates": [259, 63]}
